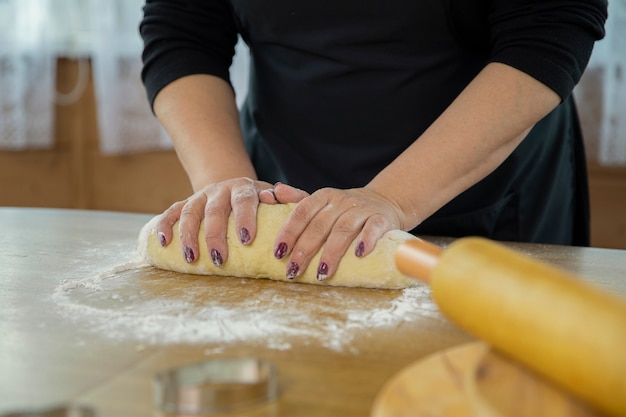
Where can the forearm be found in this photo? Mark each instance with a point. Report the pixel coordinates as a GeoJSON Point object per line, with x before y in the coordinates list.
{"type": "Point", "coordinates": [199, 113]}
{"type": "Point", "coordinates": [477, 132]}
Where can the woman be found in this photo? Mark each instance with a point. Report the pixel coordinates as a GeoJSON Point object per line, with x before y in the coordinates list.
{"type": "Point", "coordinates": [440, 117]}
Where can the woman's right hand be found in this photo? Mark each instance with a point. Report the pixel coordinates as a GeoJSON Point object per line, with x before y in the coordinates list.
{"type": "Point", "coordinates": [214, 203]}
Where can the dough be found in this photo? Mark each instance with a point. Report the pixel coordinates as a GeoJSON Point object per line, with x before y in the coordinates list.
{"type": "Point", "coordinates": [256, 260]}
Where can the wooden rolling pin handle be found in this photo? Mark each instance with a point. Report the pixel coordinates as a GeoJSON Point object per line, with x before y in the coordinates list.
{"type": "Point", "coordinates": [417, 258]}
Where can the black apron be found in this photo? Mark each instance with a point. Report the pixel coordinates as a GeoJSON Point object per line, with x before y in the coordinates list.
{"type": "Point", "coordinates": [339, 89]}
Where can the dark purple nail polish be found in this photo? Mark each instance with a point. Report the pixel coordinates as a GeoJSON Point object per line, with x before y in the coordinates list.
{"type": "Point", "coordinates": [322, 271]}
{"type": "Point", "coordinates": [281, 250]}
{"type": "Point", "coordinates": [244, 236]}
{"type": "Point", "coordinates": [216, 258]}
{"type": "Point", "coordinates": [162, 239]}
{"type": "Point", "coordinates": [189, 255]}
{"type": "Point", "coordinates": [293, 270]}
{"type": "Point", "coordinates": [360, 249]}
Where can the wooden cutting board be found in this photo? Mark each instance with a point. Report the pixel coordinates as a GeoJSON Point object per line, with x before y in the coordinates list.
{"type": "Point", "coordinates": [469, 381]}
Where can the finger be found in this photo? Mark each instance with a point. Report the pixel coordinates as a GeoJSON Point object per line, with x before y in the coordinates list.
{"type": "Point", "coordinates": [295, 224]}
{"type": "Point", "coordinates": [310, 241]}
{"type": "Point", "coordinates": [189, 226]}
{"type": "Point", "coordinates": [344, 232]}
{"type": "Point", "coordinates": [287, 194]}
{"type": "Point", "coordinates": [167, 221]}
{"type": "Point", "coordinates": [373, 229]}
{"type": "Point", "coordinates": [216, 213]}
{"type": "Point", "coordinates": [267, 196]}
{"type": "Point", "coordinates": [244, 202]}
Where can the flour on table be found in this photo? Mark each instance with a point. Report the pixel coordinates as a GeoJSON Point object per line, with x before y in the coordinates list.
{"type": "Point", "coordinates": [129, 302]}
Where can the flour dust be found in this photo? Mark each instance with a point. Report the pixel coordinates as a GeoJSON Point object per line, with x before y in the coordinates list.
{"type": "Point", "coordinates": [135, 302]}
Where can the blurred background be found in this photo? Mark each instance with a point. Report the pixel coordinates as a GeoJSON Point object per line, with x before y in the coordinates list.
{"type": "Point", "coordinates": [76, 130]}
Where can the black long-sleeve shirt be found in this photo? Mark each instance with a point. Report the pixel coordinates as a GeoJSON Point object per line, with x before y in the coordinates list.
{"type": "Point", "coordinates": [339, 89]}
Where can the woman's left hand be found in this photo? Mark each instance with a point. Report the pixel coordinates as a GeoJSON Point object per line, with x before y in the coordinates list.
{"type": "Point", "coordinates": [331, 218]}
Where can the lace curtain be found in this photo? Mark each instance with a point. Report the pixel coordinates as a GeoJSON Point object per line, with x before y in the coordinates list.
{"type": "Point", "coordinates": [125, 121]}
{"type": "Point", "coordinates": [601, 94]}
{"type": "Point", "coordinates": [34, 32]}
{"type": "Point", "coordinates": [27, 75]}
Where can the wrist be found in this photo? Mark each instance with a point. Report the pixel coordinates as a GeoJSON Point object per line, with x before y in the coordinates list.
{"type": "Point", "coordinates": [406, 211]}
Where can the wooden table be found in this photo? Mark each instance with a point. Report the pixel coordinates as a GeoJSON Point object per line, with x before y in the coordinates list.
{"type": "Point", "coordinates": [82, 323]}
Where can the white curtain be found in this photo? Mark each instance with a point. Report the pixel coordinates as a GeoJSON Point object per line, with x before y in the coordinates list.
{"type": "Point", "coordinates": [125, 119]}
{"type": "Point", "coordinates": [601, 94]}
{"type": "Point", "coordinates": [34, 32]}
{"type": "Point", "coordinates": [27, 76]}
{"type": "Point", "coordinates": [126, 123]}
{"type": "Point", "coordinates": [613, 132]}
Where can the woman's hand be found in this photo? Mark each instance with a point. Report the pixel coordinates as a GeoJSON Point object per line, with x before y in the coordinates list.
{"type": "Point", "coordinates": [332, 218]}
{"type": "Point", "coordinates": [214, 202]}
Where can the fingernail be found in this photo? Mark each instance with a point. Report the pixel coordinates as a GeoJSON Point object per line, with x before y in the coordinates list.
{"type": "Point", "coordinates": [293, 270]}
{"type": "Point", "coordinates": [189, 255]}
{"type": "Point", "coordinates": [216, 258]}
{"type": "Point", "coordinates": [162, 239]}
{"type": "Point", "coordinates": [273, 194]}
{"type": "Point", "coordinates": [244, 236]}
{"type": "Point", "coordinates": [322, 271]}
{"type": "Point", "coordinates": [281, 250]}
{"type": "Point", "coordinates": [360, 249]}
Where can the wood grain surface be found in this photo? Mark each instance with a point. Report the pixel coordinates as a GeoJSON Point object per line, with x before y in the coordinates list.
{"type": "Point", "coordinates": [473, 380]}
{"type": "Point", "coordinates": [81, 323]}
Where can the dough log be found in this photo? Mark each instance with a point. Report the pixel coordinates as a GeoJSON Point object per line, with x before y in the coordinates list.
{"type": "Point", "coordinates": [256, 260]}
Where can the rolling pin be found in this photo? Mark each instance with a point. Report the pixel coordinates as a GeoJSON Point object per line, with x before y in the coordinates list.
{"type": "Point", "coordinates": [545, 318]}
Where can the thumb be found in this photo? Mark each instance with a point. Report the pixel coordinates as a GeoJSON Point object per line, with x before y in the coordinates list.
{"type": "Point", "coordinates": [287, 194]}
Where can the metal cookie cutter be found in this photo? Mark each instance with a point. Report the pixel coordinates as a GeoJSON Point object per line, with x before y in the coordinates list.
{"type": "Point", "coordinates": [216, 386]}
